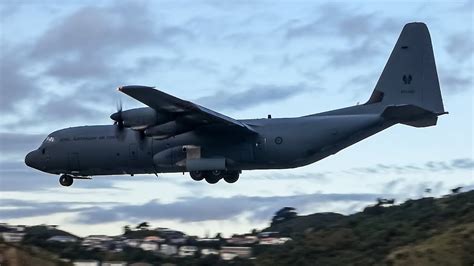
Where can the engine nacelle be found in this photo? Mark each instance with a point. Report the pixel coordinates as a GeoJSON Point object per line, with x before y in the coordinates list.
{"type": "Point", "coordinates": [165, 130]}
{"type": "Point", "coordinates": [140, 118]}
{"type": "Point", "coordinates": [169, 157]}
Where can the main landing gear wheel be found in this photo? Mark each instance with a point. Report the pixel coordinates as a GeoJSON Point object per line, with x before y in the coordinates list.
{"type": "Point", "coordinates": [213, 177]}
{"type": "Point", "coordinates": [66, 180]}
{"type": "Point", "coordinates": [231, 177]}
{"type": "Point", "coordinates": [197, 175]}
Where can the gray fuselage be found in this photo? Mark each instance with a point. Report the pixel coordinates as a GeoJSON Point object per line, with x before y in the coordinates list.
{"type": "Point", "coordinates": [280, 143]}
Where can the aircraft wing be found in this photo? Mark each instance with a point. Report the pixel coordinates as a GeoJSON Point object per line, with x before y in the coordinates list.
{"type": "Point", "coordinates": [186, 112]}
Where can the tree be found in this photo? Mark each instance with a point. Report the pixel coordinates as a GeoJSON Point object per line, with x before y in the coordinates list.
{"type": "Point", "coordinates": [126, 229]}
{"type": "Point", "coordinates": [143, 226]}
{"type": "Point", "coordinates": [284, 214]}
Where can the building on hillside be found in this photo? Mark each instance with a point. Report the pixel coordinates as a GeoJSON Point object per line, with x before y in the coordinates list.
{"type": "Point", "coordinates": [154, 239]}
{"type": "Point", "coordinates": [187, 251]}
{"type": "Point", "coordinates": [209, 251]}
{"type": "Point", "coordinates": [62, 239]}
{"type": "Point", "coordinates": [242, 240]}
{"type": "Point", "coordinates": [268, 234]}
{"type": "Point", "coordinates": [134, 243]}
{"type": "Point", "coordinates": [168, 250]}
{"type": "Point", "coordinates": [273, 240]}
{"type": "Point", "coordinates": [50, 226]}
{"type": "Point", "coordinates": [114, 263]}
{"type": "Point", "coordinates": [140, 264]}
{"type": "Point", "coordinates": [172, 236]}
{"type": "Point", "coordinates": [208, 240]}
{"type": "Point", "coordinates": [97, 242]}
{"type": "Point", "coordinates": [149, 246]}
{"type": "Point", "coordinates": [13, 237]}
{"type": "Point", "coordinates": [86, 263]}
{"type": "Point", "coordinates": [230, 253]}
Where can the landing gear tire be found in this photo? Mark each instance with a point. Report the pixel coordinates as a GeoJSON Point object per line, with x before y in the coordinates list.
{"type": "Point", "coordinates": [66, 180]}
{"type": "Point", "coordinates": [213, 176]}
{"type": "Point", "coordinates": [197, 175]}
{"type": "Point", "coordinates": [231, 177]}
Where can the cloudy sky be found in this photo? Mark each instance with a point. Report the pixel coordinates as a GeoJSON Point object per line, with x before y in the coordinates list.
{"type": "Point", "coordinates": [60, 63]}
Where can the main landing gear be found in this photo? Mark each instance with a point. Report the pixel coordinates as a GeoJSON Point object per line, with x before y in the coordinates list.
{"type": "Point", "coordinates": [214, 176]}
{"type": "Point", "coordinates": [66, 180]}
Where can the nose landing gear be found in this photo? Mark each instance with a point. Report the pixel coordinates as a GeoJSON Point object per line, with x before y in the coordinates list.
{"type": "Point", "coordinates": [66, 180]}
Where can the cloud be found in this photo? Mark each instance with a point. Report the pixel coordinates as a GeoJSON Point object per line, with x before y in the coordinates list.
{"type": "Point", "coordinates": [453, 81]}
{"type": "Point", "coordinates": [89, 43]}
{"type": "Point", "coordinates": [15, 143]}
{"type": "Point", "coordinates": [409, 189]}
{"type": "Point", "coordinates": [461, 46]}
{"type": "Point", "coordinates": [210, 208]}
{"type": "Point", "coordinates": [430, 166]}
{"type": "Point", "coordinates": [15, 83]}
{"type": "Point", "coordinates": [14, 208]}
{"type": "Point", "coordinates": [344, 22]}
{"type": "Point", "coordinates": [257, 95]}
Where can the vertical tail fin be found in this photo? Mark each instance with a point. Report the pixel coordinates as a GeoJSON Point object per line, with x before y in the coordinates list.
{"type": "Point", "coordinates": [410, 77]}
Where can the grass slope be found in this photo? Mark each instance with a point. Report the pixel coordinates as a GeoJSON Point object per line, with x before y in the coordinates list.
{"type": "Point", "coordinates": [427, 231]}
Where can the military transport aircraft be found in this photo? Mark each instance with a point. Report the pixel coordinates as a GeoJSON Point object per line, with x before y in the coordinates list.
{"type": "Point", "coordinates": [174, 135]}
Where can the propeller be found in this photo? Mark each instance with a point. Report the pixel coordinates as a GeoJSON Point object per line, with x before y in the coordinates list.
{"type": "Point", "coordinates": [117, 116]}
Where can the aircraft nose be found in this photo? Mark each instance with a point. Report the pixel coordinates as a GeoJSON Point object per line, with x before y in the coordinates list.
{"type": "Point", "coordinates": [30, 159]}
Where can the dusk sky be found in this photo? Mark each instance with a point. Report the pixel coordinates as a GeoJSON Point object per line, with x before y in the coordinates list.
{"type": "Point", "coordinates": [61, 62]}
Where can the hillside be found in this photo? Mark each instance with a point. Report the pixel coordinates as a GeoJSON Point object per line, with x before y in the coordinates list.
{"type": "Point", "coordinates": [26, 255]}
{"type": "Point", "coordinates": [427, 231]}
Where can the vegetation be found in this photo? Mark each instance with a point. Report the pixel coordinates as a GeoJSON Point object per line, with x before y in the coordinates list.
{"type": "Point", "coordinates": [427, 231]}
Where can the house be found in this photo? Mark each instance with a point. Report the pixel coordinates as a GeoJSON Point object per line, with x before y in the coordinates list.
{"type": "Point", "coordinates": [114, 263]}
{"type": "Point", "coordinates": [273, 240]}
{"type": "Point", "coordinates": [140, 264]}
{"type": "Point", "coordinates": [268, 234]}
{"type": "Point", "coordinates": [13, 237]}
{"type": "Point", "coordinates": [209, 251]}
{"type": "Point", "coordinates": [242, 240]}
{"type": "Point", "coordinates": [173, 236]}
{"type": "Point", "coordinates": [86, 263]}
{"type": "Point", "coordinates": [62, 239]}
{"type": "Point", "coordinates": [97, 241]}
{"type": "Point", "coordinates": [168, 250]}
{"type": "Point", "coordinates": [134, 243]}
{"type": "Point", "coordinates": [187, 251]}
{"type": "Point", "coordinates": [149, 246]}
{"type": "Point", "coordinates": [154, 239]}
{"type": "Point", "coordinates": [230, 253]}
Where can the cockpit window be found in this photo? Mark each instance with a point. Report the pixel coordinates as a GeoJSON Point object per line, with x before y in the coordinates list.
{"type": "Point", "coordinates": [49, 140]}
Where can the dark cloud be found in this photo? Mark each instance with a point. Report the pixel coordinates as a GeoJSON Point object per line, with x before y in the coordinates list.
{"type": "Point", "coordinates": [346, 23]}
{"type": "Point", "coordinates": [454, 81]}
{"type": "Point", "coordinates": [354, 54]}
{"type": "Point", "coordinates": [16, 176]}
{"type": "Point", "coordinates": [211, 208]}
{"type": "Point", "coordinates": [408, 189]}
{"type": "Point", "coordinates": [461, 46]}
{"type": "Point", "coordinates": [89, 43]}
{"type": "Point", "coordinates": [14, 143]}
{"type": "Point", "coordinates": [257, 95]}
{"type": "Point", "coordinates": [25, 208]}
{"type": "Point", "coordinates": [430, 166]}
{"type": "Point", "coordinates": [15, 83]}
{"type": "Point", "coordinates": [86, 47]}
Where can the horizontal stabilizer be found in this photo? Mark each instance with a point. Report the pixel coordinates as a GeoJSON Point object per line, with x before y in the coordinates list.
{"type": "Point", "coordinates": [411, 115]}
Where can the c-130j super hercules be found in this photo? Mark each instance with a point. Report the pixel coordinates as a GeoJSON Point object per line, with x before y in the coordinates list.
{"type": "Point", "coordinates": [173, 135]}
